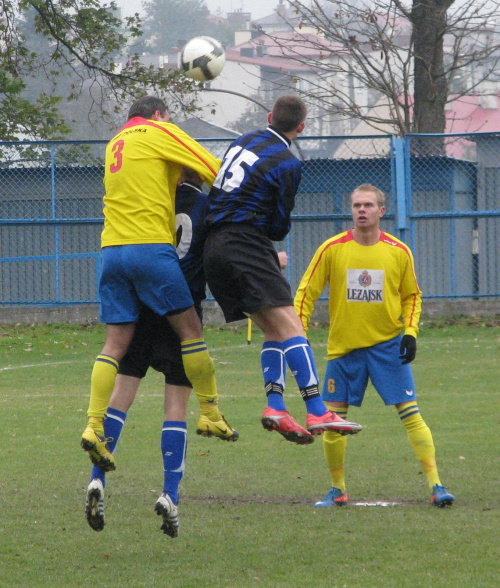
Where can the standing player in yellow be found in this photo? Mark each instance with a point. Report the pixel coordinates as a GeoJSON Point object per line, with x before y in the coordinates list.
{"type": "Point", "coordinates": [373, 295]}
{"type": "Point", "coordinates": [140, 264]}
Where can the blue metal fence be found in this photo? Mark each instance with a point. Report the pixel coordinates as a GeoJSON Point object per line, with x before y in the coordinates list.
{"type": "Point", "coordinates": [454, 213]}
{"type": "Point", "coordinates": [443, 198]}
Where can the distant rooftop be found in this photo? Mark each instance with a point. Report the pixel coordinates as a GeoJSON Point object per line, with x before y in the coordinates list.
{"type": "Point", "coordinates": [286, 50]}
{"type": "Point", "coordinates": [201, 129]}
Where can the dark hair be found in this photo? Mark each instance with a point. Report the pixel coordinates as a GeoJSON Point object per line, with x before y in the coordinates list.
{"type": "Point", "coordinates": [288, 112]}
{"type": "Point", "coordinates": [189, 175]}
{"type": "Point", "coordinates": [147, 106]}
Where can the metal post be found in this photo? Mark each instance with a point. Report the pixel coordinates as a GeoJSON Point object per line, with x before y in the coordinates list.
{"type": "Point", "coordinates": [399, 164]}
{"type": "Point", "coordinates": [54, 216]}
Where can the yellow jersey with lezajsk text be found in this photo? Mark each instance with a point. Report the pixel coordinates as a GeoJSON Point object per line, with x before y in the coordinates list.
{"type": "Point", "coordinates": [142, 166]}
{"type": "Point", "coordinates": [372, 291]}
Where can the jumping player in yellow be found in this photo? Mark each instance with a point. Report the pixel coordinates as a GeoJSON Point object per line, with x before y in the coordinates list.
{"type": "Point", "coordinates": [373, 295]}
{"type": "Point", "coordinates": [140, 264]}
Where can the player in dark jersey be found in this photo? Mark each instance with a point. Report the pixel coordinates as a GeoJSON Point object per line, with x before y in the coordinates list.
{"type": "Point", "coordinates": [156, 345]}
{"type": "Point", "coordinates": [249, 206]}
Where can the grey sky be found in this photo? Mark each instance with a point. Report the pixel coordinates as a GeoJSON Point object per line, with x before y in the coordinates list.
{"type": "Point", "coordinates": [258, 8]}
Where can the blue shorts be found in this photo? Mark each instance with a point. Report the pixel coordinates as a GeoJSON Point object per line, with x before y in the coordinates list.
{"type": "Point", "coordinates": [346, 377]}
{"type": "Point", "coordinates": [148, 273]}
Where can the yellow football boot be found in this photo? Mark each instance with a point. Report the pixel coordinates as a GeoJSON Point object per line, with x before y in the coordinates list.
{"type": "Point", "coordinates": [96, 445]}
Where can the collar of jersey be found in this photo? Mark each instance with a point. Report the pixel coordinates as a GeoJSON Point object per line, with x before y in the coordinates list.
{"type": "Point", "coordinates": [275, 131]}
{"type": "Point", "coordinates": [194, 186]}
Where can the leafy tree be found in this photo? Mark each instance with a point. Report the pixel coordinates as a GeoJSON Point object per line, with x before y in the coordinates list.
{"type": "Point", "coordinates": [78, 47]}
{"type": "Point", "coordinates": [167, 22]}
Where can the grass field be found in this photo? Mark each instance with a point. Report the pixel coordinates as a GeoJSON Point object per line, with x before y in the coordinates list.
{"type": "Point", "coordinates": [247, 508]}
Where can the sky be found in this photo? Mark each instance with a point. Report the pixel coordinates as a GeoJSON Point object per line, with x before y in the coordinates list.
{"type": "Point", "coordinates": [258, 8]}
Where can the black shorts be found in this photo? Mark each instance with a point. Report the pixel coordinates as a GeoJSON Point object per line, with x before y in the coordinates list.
{"type": "Point", "coordinates": [242, 271]}
{"type": "Point", "coordinates": [155, 344]}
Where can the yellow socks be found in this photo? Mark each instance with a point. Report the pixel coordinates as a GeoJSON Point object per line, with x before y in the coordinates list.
{"type": "Point", "coordinates": [421, 440]}
{"type": "Point", "coordinates": [419, 434]}
{"type": "Point", "coordinates": [334, 447]}
{"type": "Point", "coordinates": [199, 368]}
{"type": "Point", "coordinates": [211, 411]}
{"type": "Point", "coordinates": [101, 385]}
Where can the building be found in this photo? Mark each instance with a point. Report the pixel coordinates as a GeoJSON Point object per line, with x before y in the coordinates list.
{"type": "Point", "coordinates": [262, 68]}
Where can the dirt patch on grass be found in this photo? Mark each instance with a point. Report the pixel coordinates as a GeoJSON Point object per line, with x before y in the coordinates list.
{"type": "Point", "coordinates": [281, 500]}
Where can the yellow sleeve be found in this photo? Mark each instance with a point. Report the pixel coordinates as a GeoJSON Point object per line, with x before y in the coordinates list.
{"type": "Point", "coordinates": [312, 284]}
{"type": "Point", "coordinates": [142, 166]}
{"type": "Point", "coordinates": [411, 298]}
{"type": "Point", "coordinates": [184, 150]}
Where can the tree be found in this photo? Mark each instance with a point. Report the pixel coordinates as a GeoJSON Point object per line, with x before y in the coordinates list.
{"type": "Point", "coordinates": [82, 117]}
{"type": "Point", "coordinates": [191, 18]}
{"type": "Point", "coordinates": [84, 43]}
{"type": "Point", "coordinates": [403, 57]}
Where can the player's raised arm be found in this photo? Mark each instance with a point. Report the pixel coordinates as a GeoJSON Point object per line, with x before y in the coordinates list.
{"type": "Point", "coordinates": [186, 151]}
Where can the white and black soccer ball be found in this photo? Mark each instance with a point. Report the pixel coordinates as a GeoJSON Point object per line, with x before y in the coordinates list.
{"type": "Point", "coordinates": [202, 58]}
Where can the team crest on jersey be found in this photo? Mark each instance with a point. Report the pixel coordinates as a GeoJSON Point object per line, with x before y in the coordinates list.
{"type": "Point", "coordinates": [365, 279]}
{"type": "Point", "coordinates": [365, 286]}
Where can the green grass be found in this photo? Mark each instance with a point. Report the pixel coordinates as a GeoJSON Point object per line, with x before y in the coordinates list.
{"type": "Point", "coordinates": [247, 515]}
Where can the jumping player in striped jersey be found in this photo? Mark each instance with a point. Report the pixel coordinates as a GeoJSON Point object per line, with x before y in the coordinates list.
{"type": "Point", "coordinates": [249, 207]}
{"type": "Point", "coordinates": [140, 265]}
{"type": "Point", "coordinates": [373, 296]}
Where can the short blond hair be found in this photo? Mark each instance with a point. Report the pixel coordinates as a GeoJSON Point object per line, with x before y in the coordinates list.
{"type": "Point", "coordinates": [371, 188]}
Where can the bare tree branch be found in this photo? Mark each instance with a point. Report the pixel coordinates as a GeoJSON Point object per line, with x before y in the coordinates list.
{"type": "Point", "coordinates": [389, 63]}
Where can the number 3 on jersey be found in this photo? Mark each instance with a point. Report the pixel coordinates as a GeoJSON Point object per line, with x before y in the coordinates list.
{"type": "Point", "coordinates": [231, 174]}
{"type": "Point", "coordinates": [117, 153]}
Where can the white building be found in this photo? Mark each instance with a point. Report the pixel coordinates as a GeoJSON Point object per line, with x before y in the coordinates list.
{"type": "Point", "coordinates": [274, 55]}
{"type": "Point", "coordinates": [263, 68]}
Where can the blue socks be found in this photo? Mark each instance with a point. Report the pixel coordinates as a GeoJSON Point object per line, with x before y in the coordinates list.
{"type": "Point", "coordinates": [113, 425]}
{"type": "Point", "coordinates": [273, 364]}
{"type": "Point", "coordinates": [299, 357]}
{"type": "Point", "coordinates": [173, 449]}
{"type": "Point", "coordinates": [297, 353]}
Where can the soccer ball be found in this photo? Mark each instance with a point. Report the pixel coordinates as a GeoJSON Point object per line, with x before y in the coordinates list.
{"type": "Point", "coordinates": [202, 58]}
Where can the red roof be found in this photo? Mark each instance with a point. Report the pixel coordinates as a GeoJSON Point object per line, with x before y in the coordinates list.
{"type": "Point", "coordinates": [469, 115]}
{"type": "Point", "coordinates": [284, 51]}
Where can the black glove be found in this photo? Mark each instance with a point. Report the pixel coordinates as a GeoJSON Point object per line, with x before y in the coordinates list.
{"type": "Point", "coordinates": [408, 349]}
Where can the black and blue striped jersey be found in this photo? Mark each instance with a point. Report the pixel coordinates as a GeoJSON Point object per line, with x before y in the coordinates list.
{"type": "Point", "coordinates": [256, 184]}
{"type": "Point", "coordinates": [190, 205]}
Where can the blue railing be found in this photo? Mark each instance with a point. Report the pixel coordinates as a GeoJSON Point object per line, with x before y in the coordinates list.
{"type": "Point", "coordinates": [443, 198]}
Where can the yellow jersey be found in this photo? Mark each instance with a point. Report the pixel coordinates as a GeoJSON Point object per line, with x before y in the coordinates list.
{"type": "Point", "coordinates": [142, 166]}
{"type": "Point", "coordinates": [373, 291]}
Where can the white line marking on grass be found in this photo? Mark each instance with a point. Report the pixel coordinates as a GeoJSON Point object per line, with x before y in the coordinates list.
{"type": "Point", "coordinates": [378, 504]}
{"type": "Point", "coordinates": [35, 365]}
